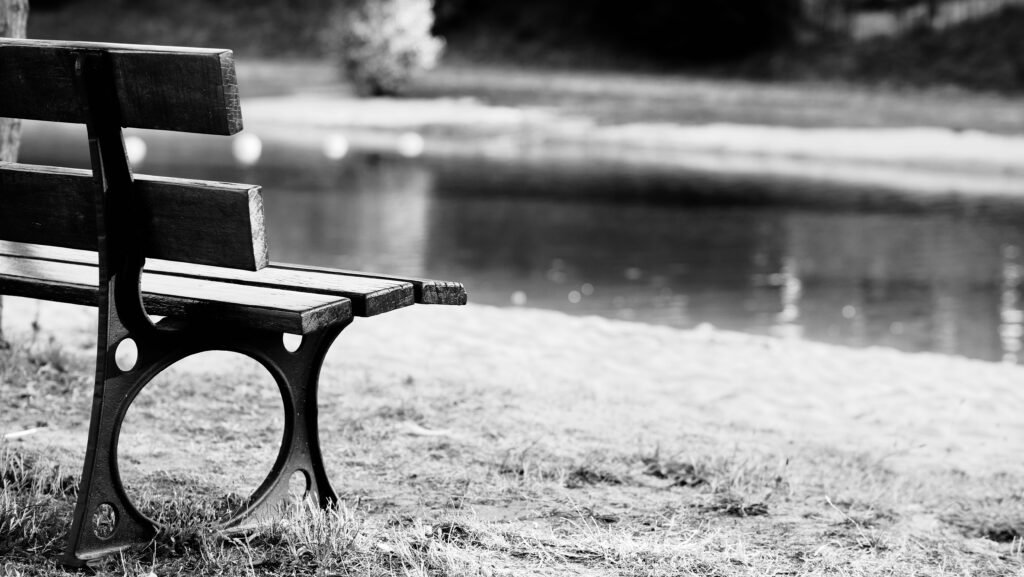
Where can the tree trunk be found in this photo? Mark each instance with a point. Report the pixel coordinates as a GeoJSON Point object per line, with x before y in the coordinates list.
{"type": "Point", "coordinates": [13, 21]}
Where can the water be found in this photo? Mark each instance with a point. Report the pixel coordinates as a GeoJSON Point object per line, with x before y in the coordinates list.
{"type": "Point", "coordinates": [839, 265]}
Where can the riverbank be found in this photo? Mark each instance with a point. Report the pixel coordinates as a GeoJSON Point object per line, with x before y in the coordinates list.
{"type": "Point", "coordinates": [923, 141]}
{"type": "Point", "coordinates": [592, 434]}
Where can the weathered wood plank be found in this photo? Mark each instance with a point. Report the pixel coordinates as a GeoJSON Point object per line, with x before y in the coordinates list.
{"type": "Point", "coordinates": [369, 296]}
{"type": "Point", "coordinates": [158, 87]}
{"type": "Point", "coordinates": [212, 223]}
{"type": "Point", "coordinates": [168, 295]}
{"type": "Point", "coordinates": [428, 291]}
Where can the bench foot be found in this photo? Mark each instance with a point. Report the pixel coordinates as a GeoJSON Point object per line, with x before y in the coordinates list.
{"type": "Point", "coordinates": [105, 521]}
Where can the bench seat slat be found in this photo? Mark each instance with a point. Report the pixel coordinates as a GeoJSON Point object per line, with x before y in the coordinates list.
{"type": "Point", "coordinates": [427, 291]}
{"type": "Point", "coordinates": [214, 223]}
{"type": "Point", "coordinates": [168, 295]}
{"type": "Point", "coordinates": [370, 295]}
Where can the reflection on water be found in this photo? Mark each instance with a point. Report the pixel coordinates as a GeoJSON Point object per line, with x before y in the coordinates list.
{"type": "Point", "coordinates": [1011, 328]}
{"type": "Point", "coordinates": [844, 266]}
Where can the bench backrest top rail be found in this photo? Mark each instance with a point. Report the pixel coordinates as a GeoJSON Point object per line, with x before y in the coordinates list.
{"type": "Point", "coordinates": [195, 221]}
{"type": "Point", "coordinates": [157, 87]}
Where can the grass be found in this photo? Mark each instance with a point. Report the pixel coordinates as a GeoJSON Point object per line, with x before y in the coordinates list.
{"type": "Point", "coordinates": [513, 496]}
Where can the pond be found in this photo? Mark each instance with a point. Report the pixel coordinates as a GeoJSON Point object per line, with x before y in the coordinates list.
{"type": "Point", "coordinates": [807, 260]}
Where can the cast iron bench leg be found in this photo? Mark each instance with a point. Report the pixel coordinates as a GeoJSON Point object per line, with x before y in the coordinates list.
{"type": "Point", "coordinates": [297, 374]}
{"type": "Point", "coordinates": [105, 520]}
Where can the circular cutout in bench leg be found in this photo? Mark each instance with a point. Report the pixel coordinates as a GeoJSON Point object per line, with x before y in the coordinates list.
{"type": "Point", "coordinates": [126, 355]}
{"type": "Point", "coordinates": [291, 342]}
{"type": "Point", "coordinates": [183, 440]}
{"type": "Point", "coordinates": [299, 485]}
{"type": "Point", "coordinates": [104, 521]}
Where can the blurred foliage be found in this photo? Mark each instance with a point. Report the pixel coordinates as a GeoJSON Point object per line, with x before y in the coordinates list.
{"type": "Point", "coordinates": [272, 28]}
{"type": "Point", "coordinates": [987, 53]}
{"type": "Point", "coordinates": [667, 31]}
{"type": "Point", "coordinates": [382, 44]}
{"type": "Point", "coordinates": [773, 39]}
{"type": "Point", "coordinates": [982, 54]}
{"type": "Point", "coordinates": [49, 4]}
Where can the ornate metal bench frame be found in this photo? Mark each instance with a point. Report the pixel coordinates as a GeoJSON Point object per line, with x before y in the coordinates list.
{"type": "Point", "coordinates": [105, 520]}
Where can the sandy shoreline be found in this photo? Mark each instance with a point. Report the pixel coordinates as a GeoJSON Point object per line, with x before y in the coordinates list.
{"type": "Point", "coordinates": [742, 151]}
{"type": "Point", "coordinates": [505, 129]}
{"type": "Point", "coordinates": [613, 381]}
{"type": "Point", "coordinates": [913, 159]}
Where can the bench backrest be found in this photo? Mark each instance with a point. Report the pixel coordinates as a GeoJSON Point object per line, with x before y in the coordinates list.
{"type": "Point", "coordinates": [166, 88]}
{"type": "Point", "coordinates": [159, 87]}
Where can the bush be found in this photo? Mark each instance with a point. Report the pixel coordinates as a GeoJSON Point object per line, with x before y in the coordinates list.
{"type": "Point", "coordinates": [666, 32]}
{"type": "Point", "coordinates": [382, 44]}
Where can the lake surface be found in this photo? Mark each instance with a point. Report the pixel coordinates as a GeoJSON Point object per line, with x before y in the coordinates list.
{"type": "Point", "coordinates": [801, 260]}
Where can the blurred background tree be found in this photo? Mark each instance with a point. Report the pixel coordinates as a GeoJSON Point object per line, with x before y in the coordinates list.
{"type": "Point", "coordinates": [668, 31]}
{"type": "Point", "coordinates": [383, 44]}
{"type": "Point", "coordinates": [13, 19]}
{"type": "Point", "coordinates": [975, 44]}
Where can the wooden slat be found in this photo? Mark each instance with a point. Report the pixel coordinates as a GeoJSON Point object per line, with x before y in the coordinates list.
{"type": "Point", "coordinates": [428, 291]}
{"type": "Point", "coordinates": [159, 87]}
{"type": "Point", "coordinates": [369, 296]}
{"type": "Point", "coordinates": [168, 295]}
{"type": "Point", "coordinates": [213, 223]}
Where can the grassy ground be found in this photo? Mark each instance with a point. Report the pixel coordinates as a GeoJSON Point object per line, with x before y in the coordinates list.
{"type": "Point", "coordinates": [445, 471]}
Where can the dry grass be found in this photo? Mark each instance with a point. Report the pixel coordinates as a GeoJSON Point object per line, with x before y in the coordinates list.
{"type": "Point", "coordinates": [505, 499]}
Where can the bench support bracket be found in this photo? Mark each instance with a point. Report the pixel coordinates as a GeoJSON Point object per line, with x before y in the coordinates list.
{"type": "Point", "coordinates": [105, 520]}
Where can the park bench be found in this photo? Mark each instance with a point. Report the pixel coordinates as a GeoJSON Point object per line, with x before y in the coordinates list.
{"type": "Point", "coordinates": [84, 236]}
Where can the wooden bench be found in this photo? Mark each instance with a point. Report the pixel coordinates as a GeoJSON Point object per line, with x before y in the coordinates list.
{"type": "Point", "coordinates": [83, 237]}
